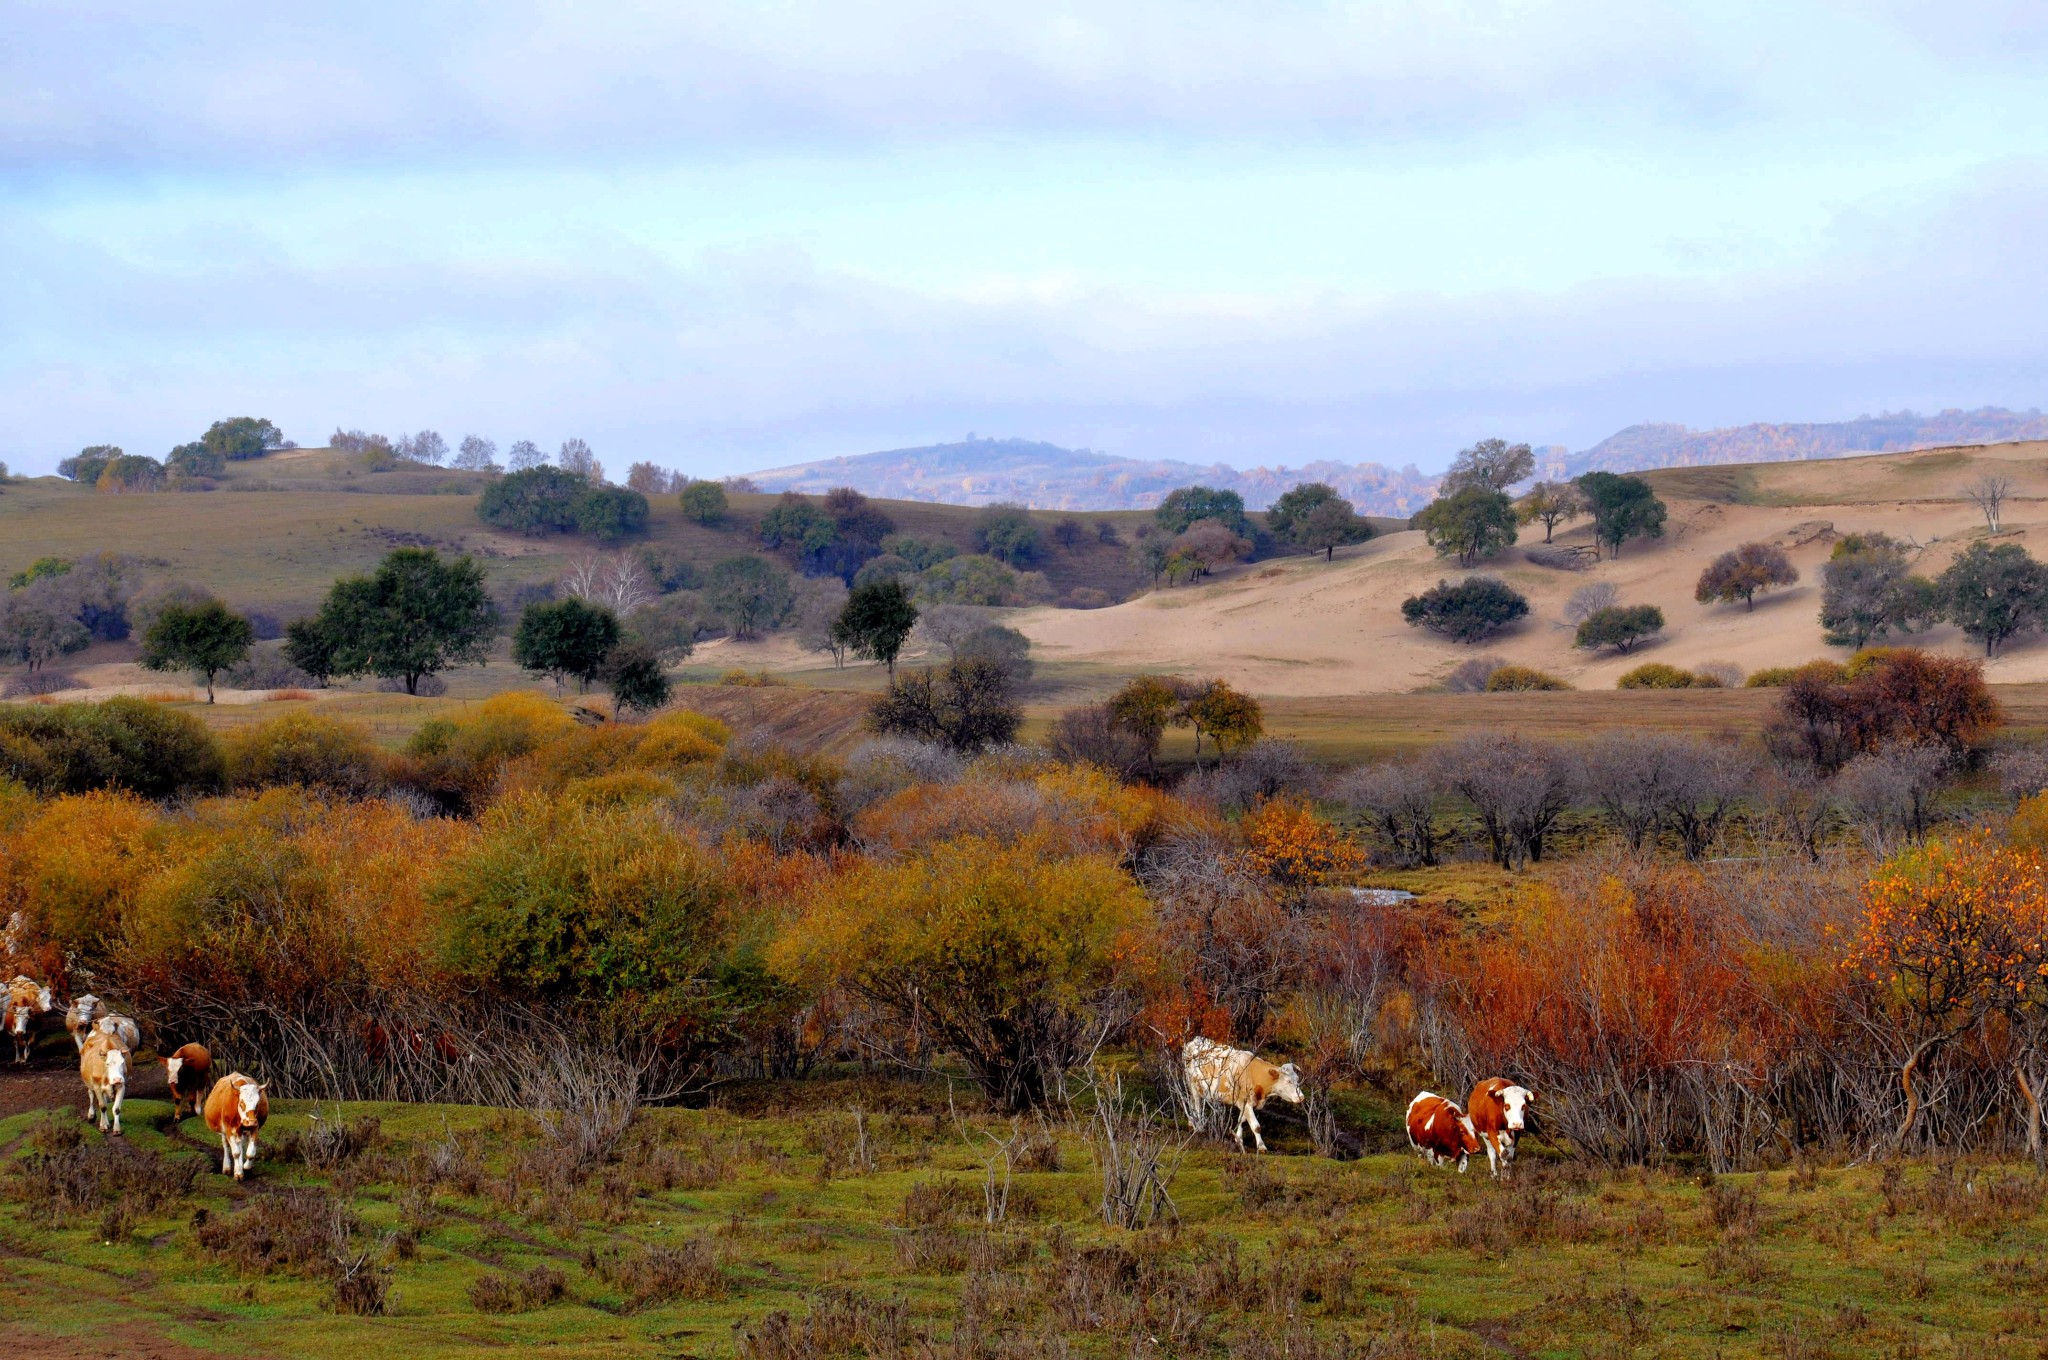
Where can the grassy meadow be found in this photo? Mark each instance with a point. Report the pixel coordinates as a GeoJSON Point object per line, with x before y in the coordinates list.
{"type": "Point", "coordinates": [861, 1216]}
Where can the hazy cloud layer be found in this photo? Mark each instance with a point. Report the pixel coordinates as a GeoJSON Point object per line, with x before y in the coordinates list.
{"type": "Point", "coordinates": [726, 236]}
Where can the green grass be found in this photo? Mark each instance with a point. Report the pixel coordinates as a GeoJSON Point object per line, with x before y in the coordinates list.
{"type": "Point", "coordinates": [280, 529]}
{"type": "Point", "coordinates": [1568, 1260]}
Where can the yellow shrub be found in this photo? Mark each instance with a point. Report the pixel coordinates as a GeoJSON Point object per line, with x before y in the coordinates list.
{"type": "Point", "coordinates": [674, 740]}
{"type": "Point", "coordinates": [619, 789]}
{"type": "Point", "coordinates": [77, 867]}
{"type": "Point", "coordinates": [1655, 675]}
{"type": "Point", "coordinates": [305, 747]}
{"type": "Point", "coordinates": [1513, 679]}
{"type": "Point", "coordinates": [2029, 830]}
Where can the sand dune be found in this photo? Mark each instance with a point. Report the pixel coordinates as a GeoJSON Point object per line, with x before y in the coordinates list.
{"type": "Point", "coordinates": [1300, 626]}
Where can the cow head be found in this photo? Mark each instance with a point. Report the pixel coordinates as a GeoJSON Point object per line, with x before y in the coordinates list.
{"type": "Point", "coordinates": [1515, 1102]}
{"type": "Point", "coordinates": [83, 1009]}
{"type": "Point", "coordinates": [172, 1066]}
{"type": "Point", "coordinates": [246, 1096]}
{"type": "Point", "coordinates": [45, 1002]}
{"type": "Point", "coordinates": [117, 1066]}
{"type": "Point", "coordinates": [1288, 1088]}
{"type": "Point", "coordinates": [17, 1021]}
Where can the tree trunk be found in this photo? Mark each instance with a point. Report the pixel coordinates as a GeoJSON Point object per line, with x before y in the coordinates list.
{"type": "Point", "coordinates": [1906, 1073]}
{"type": "Point", "coordinates": [2030, 1091]}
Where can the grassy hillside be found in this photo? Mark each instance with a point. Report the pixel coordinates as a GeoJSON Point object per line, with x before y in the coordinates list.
{"type": "Point", "coordinates": [282, 527]}
{"type": "Point", "coordinates": [858, 1211]}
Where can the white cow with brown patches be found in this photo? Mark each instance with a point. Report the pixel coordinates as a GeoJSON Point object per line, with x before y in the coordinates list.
{"type": "Point", "coordinates": [26, 999]}
{"type": "Point", "coordinates": [83, 1013]}
{"type": "Point", "coordinates": [103, 1067]}
{"type": "Point", "coordinates": [120, 1027]}
{"type": "Point", "coordinates": [1238, 1079]}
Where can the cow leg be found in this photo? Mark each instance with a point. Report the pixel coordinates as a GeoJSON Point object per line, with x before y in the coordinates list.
{"type": "Point", "coordinates": [1238, 1129]}
{"type": "Point", "coordinates": [227, 1156]}
{"type": "Point", "coordinates": [119, 1092]}
{"type": "Point", "coordinates": [91, 1105]}
{"type": "Point", "coordinates": [1252, 1116]}
{"type": "Point", "coordinates": [1492, 1155]}
{"type": "Point", "coordinates": [1463, 1158]}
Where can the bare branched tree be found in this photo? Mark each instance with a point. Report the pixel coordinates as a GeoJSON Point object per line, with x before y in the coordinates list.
{"type": "Point", "coordinates": [1989, 493]}
{"type": "Point", "coordinates": [1887, 792]}
{"type": "Point", "coordinates": [619, 582]}
{"type": "Point", "coordinates": [1518, 787]}
{"type": "Point", "coordinates": [1404, 805]}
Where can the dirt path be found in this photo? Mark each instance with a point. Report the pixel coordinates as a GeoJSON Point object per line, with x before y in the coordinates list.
{"type": "Point", "coordinates": [50, 1081]}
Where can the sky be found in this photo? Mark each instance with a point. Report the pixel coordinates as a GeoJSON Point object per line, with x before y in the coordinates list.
{"type": "Point", "coordinates": [723, 237]}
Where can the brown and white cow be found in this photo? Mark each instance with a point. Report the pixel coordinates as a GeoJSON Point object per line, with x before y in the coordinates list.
{"type": "Point", "coordinates": [1499, 1111]}
{"type": "Point", "coordinates": [1440, 1131]}
{"type": "Point", "coordinates": [190, 1073]}
{"type": "Point", "coordinates": [26, 999]}
{"type": "Point", "coordinates": [120, 1027]}
{"type": "Point", "coordinates": [103, 1067]}
{"type": "Point", "coordinates": [83, 1014]}
{"type": "Point", "coordinates": [1237, 1079]}
{"type": "Point", "coordinates": [235, 1110]}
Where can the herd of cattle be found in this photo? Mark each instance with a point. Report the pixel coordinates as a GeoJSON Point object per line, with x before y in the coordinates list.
{"type": "Point", "coordinates": [1216, 1074]}
{"type": "Point", "coordinates": [1241, 1081]}
{"type": "Point", "coordinates": [234, 1106]}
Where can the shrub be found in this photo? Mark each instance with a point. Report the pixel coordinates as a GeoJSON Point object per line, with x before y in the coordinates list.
{"type": "Point", "coordinates": [1088, 597]}
{"type": "Point", "coordinates": [1514, 679]}
{"type": "Point", "coordinates": [610, 512]}
{"type": "Point", "coordinates": [537, 500]}
{"type": "Point", "coordinates": [32, 683]}
{"type": "Point", "coordinates": [1470, 611]}
{"type": "Point", "coordinates": [1655, 675]}
{"type": "Point", "coordinates": [557, 902]}
{"type": "Point", "coordinates": [121, 743]}
{"type": "Point", "coordinates": [307, 748]}
{"type": "Point", "coordinates": [1777, 677]}
{"type": "Point", "coordinates": [1051, 940]}
{"type": "Point", "coordinates": [1622, 627]}
{"type": "Point", "coordinates": [1470, 677]}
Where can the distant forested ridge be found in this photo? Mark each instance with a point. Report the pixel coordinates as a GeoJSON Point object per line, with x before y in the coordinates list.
{"type": "Point", "coordinates": [1050, 477]}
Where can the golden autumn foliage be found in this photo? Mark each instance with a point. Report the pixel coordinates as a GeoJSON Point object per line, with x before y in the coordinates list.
{"type": "Point", "coordinates": [1012, 958]}
{"type": "Point", "coordinates": [77, 866]}
{"type": "Point", "coordinates": [1289, 843]}
{"type": "Point", "coordinates": [304, 747]}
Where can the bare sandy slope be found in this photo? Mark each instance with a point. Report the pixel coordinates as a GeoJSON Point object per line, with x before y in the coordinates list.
{"type": "Point", "coordinates": [1299, 626]}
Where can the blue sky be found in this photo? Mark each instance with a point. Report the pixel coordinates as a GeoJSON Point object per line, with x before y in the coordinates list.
{"type": "Point", "coordinates": [729, 236]}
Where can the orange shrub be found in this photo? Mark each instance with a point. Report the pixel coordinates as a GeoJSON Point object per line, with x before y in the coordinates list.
{"type": "Point", "coordinates": [1290, 844]}
{"type": "Point", "coordinates": [76, 867]}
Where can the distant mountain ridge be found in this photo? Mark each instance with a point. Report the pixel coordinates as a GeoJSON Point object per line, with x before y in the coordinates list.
{"type": "Point", "coordinates": [1050, 477]}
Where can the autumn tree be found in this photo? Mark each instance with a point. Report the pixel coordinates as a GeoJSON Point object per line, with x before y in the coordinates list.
{"type": "Point", "coordinates": [1208, 544]}
{"type": "Point", "coordinates": [1550, 504]}
{"type": "Point", "coordinates": [1490, 465]}
{"type": "Point", "coordinates": [1742, 572]}
{"type": "Point", "coordinates": [1230, 719]}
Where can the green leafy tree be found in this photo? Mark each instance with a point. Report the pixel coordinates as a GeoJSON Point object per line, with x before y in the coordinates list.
{"type": "Point", "coordinates": [1329, 526]}
{"type": "Point", "coordinates": [1993, 593]}
{"type": "Point", "coordinates": [637, 681]}
{"type": "Point", "coordinates": [1186, 505]}
{"type": "Point", "coordinates": [1293, 505]}
{"type": "Point", "coordinates": [1474, 609]}
{"type": "Point", "coordinates": [85, 466]}
{"type": "Point", "coordinates": [1007, 533]}
{"type": "Point", "coordinates": [1489, 465]}
{"type": "Point", "coordinates": [565, 640]}
{"type": "Point", "coordinates": [877, 619]}
{"type": "Point", "coordinates": [416, 615]}
{"type": "Point", "coordinates": [748, 593]}
{"type": "Point", "coordinates": [607, 513]}
{"type": "Point", "coordinates": [1622, 508]}
{"type": "Point", "coordinates": [308, 646]}
{"type": "Point", "coordinates": [1868, 591]}
{"type": "Point", "coordinates": [1145, 707]}
{"type": "Point", "coordinates": [131, 472]}
{"type": "Point", "coordinates": [1624, 627]}
{"type": "Point", "coordinates": [795, 524]}
{"type": "Point", "coordinates": [538, 500]}
{"type": "Point", "coordinates": [1550, 504]}
{"type": "Point", "coordinates": [205, 639]}
{"type": "Point", "coordinates": [1740, 573]}
{"type": "Point", "coordinates": [242, 437]}
{"type": "Point", "coordinates": [703, 502]}
{"type": "Point", "coordinates": [1468, 524]}
{"type": "Point", "coordinates": [188, 461]}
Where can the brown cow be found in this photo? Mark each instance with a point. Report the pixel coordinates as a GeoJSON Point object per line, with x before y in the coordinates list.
{"type": "Point", "coordinates": [190, 1072]}
{"type": "Point", "coordinates": [235, 1110]}
{"type": "Point", "coordinates": [1499, 1110]}
{"type": "Point", "coordinates": [1440, 1131]}
{"type": "Point", "coordinates": [103, 1067]}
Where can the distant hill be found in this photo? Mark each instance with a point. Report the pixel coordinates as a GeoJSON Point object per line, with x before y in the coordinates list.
{"type": "Point", "coordinates": [1049, 477]}
{"type": "Point", "coordinates": [1641, 447]}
